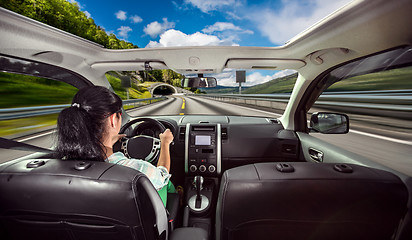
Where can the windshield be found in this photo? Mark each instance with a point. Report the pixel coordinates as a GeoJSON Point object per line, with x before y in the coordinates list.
{"type": "Point", "coordinates": [163, 87]}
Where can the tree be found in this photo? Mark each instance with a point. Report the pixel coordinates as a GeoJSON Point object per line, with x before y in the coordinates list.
{"type": "Point", "coordinates": [67, 17]}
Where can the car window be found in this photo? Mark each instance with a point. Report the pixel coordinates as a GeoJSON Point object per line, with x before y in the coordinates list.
{"type": "Point", "coordinates": [375, 93]}
{"type": "Point", "coordinates": [29, 104]}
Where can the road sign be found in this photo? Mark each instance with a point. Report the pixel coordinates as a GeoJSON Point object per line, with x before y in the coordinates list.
{"type": "Point", "coordinates": [240, 76]}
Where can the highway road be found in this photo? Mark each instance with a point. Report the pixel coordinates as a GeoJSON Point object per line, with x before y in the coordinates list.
{"type": "Point", "coordinates": [391, 147]}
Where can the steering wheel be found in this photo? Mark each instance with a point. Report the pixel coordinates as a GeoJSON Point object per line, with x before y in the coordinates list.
{"type": "Point", "coordinates": [141, 146]}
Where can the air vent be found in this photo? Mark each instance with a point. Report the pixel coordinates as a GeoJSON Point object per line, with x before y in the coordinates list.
{"type": "Point", "coordinates": [204, 128]}
{"type": "Point", "coordinates": [224, 134]}
{"type": "Point", "coordinates": [182, 134]}
{"type": "Point", "coordinates": [289, 148]}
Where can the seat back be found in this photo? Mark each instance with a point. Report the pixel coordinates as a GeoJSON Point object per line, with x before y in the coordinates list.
{"type": "Point", "coordinates": [309, 201]}
{"type": "Point", "coordinates": [59, 199]}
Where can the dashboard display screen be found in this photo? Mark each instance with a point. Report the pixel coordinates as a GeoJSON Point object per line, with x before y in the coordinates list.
{"type": "Point", "coordinates": [202, 140]}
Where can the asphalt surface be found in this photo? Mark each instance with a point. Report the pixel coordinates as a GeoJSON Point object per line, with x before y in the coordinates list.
{"type": "Point", "coordinates": [386, 141]}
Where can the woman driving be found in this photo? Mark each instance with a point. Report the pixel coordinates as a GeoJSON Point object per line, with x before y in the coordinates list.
{"type": "Point", "coordinates": [90, 127]}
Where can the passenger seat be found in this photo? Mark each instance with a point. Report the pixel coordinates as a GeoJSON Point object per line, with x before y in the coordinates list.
{"type": "Point", "coordinates": [304, 200]}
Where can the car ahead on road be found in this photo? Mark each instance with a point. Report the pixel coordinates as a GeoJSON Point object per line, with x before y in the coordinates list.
{"type": "Point", "coordinates": [241, 177]}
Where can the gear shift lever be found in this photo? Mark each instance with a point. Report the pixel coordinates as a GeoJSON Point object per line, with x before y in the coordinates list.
{"type": "Point", "coordinates": [198, 182]}
{"type": "Point", "coordinates": [198, 202]}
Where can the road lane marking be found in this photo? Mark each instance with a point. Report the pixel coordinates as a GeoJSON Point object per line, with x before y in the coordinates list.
{"type": "Point", "coordinates": [382, 137]}
{"type": "Point", "coordinates": [36, 136]}
{"type": "Point", "coordinates": [183, 104]}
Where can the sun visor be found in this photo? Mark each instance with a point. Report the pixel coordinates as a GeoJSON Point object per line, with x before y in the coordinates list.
{"type": "Point", "coordinates": [128, 66]}
{"type": "Point", "coordinates": [274, 64]}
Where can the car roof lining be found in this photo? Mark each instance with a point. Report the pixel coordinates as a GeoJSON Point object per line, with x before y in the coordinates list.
{"type": "Point", "coordinates": [10, 64]}
{"type": "Point", "coordinates": [335, 31]}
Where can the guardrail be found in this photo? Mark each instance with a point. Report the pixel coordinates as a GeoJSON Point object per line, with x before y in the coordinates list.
{"type": "Point", "coordinates": [396, 103]}
{"type": "Point", "coordinates": [15, 113]}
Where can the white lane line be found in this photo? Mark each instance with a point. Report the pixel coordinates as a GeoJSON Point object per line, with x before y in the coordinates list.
{"type": "Point", "coordinates": [382, 137]}
{"type": "Point", "coordinates": [36, 136]}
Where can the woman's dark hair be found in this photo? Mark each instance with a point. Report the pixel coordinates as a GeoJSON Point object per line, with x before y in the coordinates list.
{"type": "Point", "coordinates": [80, 127]}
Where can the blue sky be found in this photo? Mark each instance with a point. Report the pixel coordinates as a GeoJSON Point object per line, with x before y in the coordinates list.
{"type": "Point", "coordinates": [161, 23]}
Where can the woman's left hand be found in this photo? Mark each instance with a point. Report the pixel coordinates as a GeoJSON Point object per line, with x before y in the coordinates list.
{"type": "Point", "coordinates": [117, 137]}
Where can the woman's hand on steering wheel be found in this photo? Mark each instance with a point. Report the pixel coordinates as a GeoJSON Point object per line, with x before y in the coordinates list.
{"type": "Point", "coordinates": [117, 138]}
{"type": "Point", "coordinates": [141, 146]}
{"type": "Point", "coordinates": [166, 137]}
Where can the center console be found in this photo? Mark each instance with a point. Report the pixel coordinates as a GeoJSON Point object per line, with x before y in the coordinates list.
{"type": "Point", "coordinates": [203, 147]}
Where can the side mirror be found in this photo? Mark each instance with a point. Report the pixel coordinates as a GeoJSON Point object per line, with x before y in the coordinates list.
{"type": "Point", "coordinates": [329, 123]}
{"type": "Point", "coordinates": [199, 82]}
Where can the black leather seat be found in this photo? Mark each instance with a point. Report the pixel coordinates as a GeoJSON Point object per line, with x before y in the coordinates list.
{"type": "Point", "coordinates": [309, 201]}
{"type": "Point", "coordinates": [57, 199]}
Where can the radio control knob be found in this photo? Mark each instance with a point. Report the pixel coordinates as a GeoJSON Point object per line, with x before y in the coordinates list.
{"type": "Point", "coordinates": [212, 168]}
{"type": "Point", "coordinates": [202, 168]}
{"type": "Point", "coordinates": [193, 168]}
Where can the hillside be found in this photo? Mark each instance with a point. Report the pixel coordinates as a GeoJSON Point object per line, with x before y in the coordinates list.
{"type": "Point", "coordinates": [278, 85]}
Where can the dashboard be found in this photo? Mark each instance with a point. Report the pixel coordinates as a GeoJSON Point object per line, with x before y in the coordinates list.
{"type": "Point", "coordinates": [208, 145]}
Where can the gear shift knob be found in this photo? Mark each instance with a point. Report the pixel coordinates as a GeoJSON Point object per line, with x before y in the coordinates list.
{"type": "Point", "coordinates": [198, 202]}
{"type": "Point", "coordinates": [198, 183]}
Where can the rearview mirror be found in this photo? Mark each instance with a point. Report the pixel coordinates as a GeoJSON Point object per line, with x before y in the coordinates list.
{"type": "Point", "coordinates": [329, 123]}
{"type": "Point", "coordinates": [199, 82]}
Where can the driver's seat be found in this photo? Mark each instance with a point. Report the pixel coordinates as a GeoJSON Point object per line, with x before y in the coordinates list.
{"type": "Point", "coordinates": [61, 199]}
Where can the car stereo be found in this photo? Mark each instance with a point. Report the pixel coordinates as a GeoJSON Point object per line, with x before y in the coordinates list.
{"type": "Point", "coordinates": [203, 149]}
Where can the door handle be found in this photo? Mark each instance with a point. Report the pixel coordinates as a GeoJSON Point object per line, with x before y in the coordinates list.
{"type": "Point", "coordinates": [316, 155]}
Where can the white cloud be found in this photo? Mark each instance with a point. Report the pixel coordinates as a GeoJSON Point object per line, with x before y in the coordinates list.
{"type": "Point", "coordinates": [233, 16]}
{"type": "Point", "coordinates": [228, 77]}
{"type": "Point", "coordinates": [154, 29]}
{"type": "Point", "coordinates": [211, 5]}
{"type": "Point", "coordinates": [225, 26]}
{"type": "Point", "coordinates": [293, 18]}
{"type": "Point", "coordinates": [136, 19]}
{"type": "Point", "coordinates": [174, 37]}
{"type": "Point", "coordinates": [123, 31]}
{"type": "Point", "coordinates": [87, 14]}
{"type": "Point", "coordinates": [221, 26]}
{"type": "Point", "coordinates": [122, 15]}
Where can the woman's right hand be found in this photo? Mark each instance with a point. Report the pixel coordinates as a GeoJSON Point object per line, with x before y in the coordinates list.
{"type": "Point", "coordinates": [166, 137]}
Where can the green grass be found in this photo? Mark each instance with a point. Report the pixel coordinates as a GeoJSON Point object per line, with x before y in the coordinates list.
{"type": "Point", "coordinates": [137, 91]}
{"type": "Point", "coordinates": [388, 80]}
{"type": "Point", "coordinates": [26, 91]}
